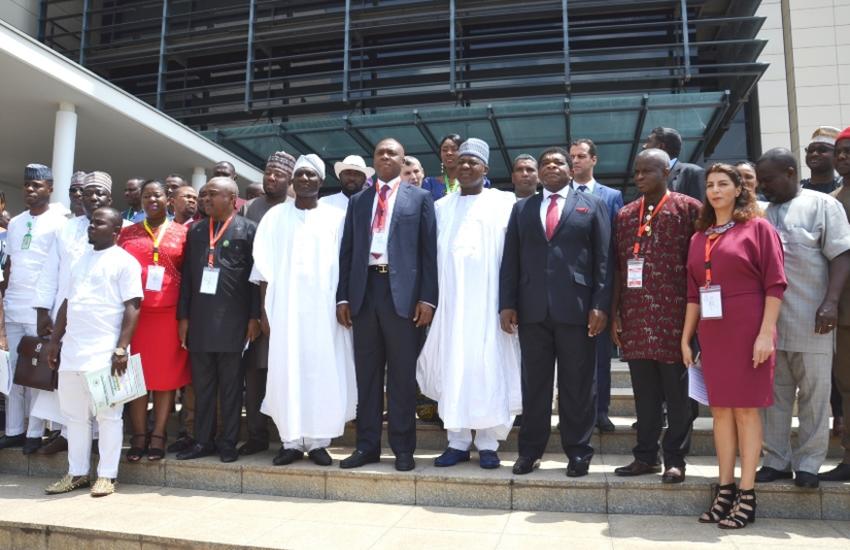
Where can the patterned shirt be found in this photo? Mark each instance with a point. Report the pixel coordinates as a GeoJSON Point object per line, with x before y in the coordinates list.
{"type": "Point", "coordinates": [814, 230]}
{"type": "Point", "coordinates": [652, 317]}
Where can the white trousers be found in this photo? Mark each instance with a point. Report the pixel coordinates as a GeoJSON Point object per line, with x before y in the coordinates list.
{"type": "Point", "coordinates": [306, 444]}
{"type": "Point", "coordinates": [485, 440]}
{"type": "Point", "coordinates": [20, 400]}
{"type": "Point", "coordinates": [76, 405]}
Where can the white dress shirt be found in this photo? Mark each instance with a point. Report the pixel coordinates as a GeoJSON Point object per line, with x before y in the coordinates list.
{"type": "Point", "coordinates": [337, 200]}
{"type": "Point", "coordinates": [383, 258]}
{"type": "Point", "coordinates": [544, 206]}
{"type": "Point", "coordinates": [591, 185]}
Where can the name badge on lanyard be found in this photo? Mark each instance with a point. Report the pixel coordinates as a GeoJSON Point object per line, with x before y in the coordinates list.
{"type": "Point", "coordinates": [634, 273]}
{"type": "Point", "coordinates": [710, 302]}
{"type": "Point", "coordinates": [379, 243]}
{"type": "Point", "coordinates": [209, 280]}
{"type": "Point", "coordinates": [155, 275]}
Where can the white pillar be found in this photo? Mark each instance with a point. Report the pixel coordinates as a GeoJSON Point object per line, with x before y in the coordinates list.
{"type": "Point", "coordinates": [64, 146]}
{"type": "Point", "coordinates": [199, 178]}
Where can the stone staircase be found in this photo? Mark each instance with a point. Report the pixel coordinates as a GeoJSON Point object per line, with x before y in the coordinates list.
{"type": "Point", "coordinates": [467, 485]}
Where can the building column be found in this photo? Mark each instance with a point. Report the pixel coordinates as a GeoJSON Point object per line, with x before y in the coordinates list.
{"type": "Point", "coordinates": [64, 146]}
{"type": "Point", "coordinates": [199, 178]}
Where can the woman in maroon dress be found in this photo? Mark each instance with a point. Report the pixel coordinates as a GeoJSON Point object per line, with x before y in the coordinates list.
{"type": "Point", "coordinates": [735, 285]}
{"type": "Point", "coordinates": [157, 244]}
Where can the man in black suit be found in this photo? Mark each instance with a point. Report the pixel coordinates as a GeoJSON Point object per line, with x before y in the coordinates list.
{"type": "Point", "coordinates": [685, 178]}
{"type": "Point", "coordinates": [553, 286]}
{"type": "Point", "coordinates": [388, 292]}
{"type": "Point", "coordinates": [218, 312]}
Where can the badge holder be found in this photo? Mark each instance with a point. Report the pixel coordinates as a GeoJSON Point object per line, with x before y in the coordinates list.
{"type": "Point", "coordinates": [710, 302]}
{"type": "Point", "coordinates": [634, 273]}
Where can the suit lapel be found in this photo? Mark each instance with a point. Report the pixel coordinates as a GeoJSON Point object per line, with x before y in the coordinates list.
{"type": "Point", "coordinates": [534, 206]}
{"type": "Point", "coordinates": [569, 206]}
{"type": "Point", "coordinates": [364, 212]}
{"type": "Point", "coordinates": [401, 196]}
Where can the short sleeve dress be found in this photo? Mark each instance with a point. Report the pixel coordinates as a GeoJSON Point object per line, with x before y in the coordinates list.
{"type": "Point", "coordinates": [747, 264]}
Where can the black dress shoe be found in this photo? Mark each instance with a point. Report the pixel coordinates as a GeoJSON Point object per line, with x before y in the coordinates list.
{"type": "Point", "coordinates": [253, 446]}
{"type": "Point", "coordinates": [604, 424]}
{"type": "Point", "coordinates": [359, 458]}
{"type": "Point", "coordinates": [637, 468]}
{"type": "Point", "coordinates": [806, 480]}
{"type": "Point", "coordinates": [228, 454]}
{"type": "Point", "coordinates": [320, 457]}
{"type": "Point", "coordinates": [31, 445]}
{"type": "Point", "coordinates": [525, 465]}
{"type": "Point", "coordinates": [404, 462]}
{"type": "Point", "coordinates": [197, 451]}
{"type": "Point", "coordinates": [578, 467]}
{"type": "Point", "coordinates": [766, 474]}
{"type": "Point", "coordinates": [839, 473]}
{"type": "Point", "coordinates": [183, 443]}
{"type": "Point", "coordinates": [12, 441]}
{"type": "Point", "coordinates": [673, 474]}
{"type": "Point", "coordinates": [287, 456]}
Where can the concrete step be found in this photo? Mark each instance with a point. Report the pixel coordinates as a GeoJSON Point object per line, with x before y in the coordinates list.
{"type": "Point", "coordinates": [620, 377]}
{"type": "Point", "coordinates": [465, 485]}
{"type": "Point", "coordinates": [623, 403]}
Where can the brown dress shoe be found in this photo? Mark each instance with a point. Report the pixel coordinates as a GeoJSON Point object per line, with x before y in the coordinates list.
{"type": "Point", "coordinates": [57, 445]}
{"type": "Point", "coordinates": [838, 426]}
{"type": "Point", "coordinates": [673, 474]}
{"type": "Point", "coordinates": [637, 468]}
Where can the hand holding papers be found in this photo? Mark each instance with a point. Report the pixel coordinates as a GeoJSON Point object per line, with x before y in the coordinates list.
{"type": "Point", "coordinates": [5, 373]}
{"type": "Point", "coordinates": [696, 384]}
{"type": "Point", "coordinates": [108, 390]}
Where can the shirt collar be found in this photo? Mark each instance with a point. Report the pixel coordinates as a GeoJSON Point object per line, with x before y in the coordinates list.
{"type": "Point", "coordinates": [673, 162]}
{"type": "Point", "coordinates": [591, 185]}
{"type": "Point", "coordinates": [391, 183]}
{"type": "Point", "coordinates": [562, 193]}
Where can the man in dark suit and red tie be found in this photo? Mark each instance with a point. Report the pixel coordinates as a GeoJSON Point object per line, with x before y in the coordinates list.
{"type": "Point", "coordinates": [387, 292]}
{"type": "Point", "coordinates": [553, 288]}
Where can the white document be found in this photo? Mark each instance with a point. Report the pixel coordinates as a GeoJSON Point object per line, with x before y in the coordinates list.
{"type": "Point", "coordinates": [111, 391]}
{"type": "Point", "coordinates": [6, 373]}
{"type": "Point", "coordinates": [696, 384]}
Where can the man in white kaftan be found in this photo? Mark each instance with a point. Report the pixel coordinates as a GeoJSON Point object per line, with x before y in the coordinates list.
{"type": "Point", "coordinates": [311, 390]}
{"type": "Point", "coordinates": [468, 364]}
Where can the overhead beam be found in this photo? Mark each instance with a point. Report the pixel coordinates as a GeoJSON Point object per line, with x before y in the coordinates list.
{"type": "Point", "coordinates": [358, 136]}
{"type": "Point", "coordinates": [494, 124]}
{"type": "Point", "coordinates": [84, 32]}
{"type": "Point", "coordinates": [285, 134]}
{"type": "Point", "coordinates": [346, 56]}
{"type": "Point", "coordinates": [638, 135]}
{"type": "Point", "coordinates": [163, 64]}
{"type": "Point", "coordinates": [249, 62]}
{"type": "Point", "coordinates": [568, 130]}
{"type": "Point", "coordinates": [565, 23]}
{"type": "Point", "coordinates": [686, 41]}
{"type": "Point", "coordinates": [716, 120]}
{"type": "Point", "coordinates": [422, 126]}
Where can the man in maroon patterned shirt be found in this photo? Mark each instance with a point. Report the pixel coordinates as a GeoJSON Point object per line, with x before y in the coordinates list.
{"type": "Point", "coordinates": [652, 235]}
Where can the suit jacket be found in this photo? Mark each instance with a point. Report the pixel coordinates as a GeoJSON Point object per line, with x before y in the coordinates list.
{"type": "Point", "coordinates": [411, 247]}
{"type": "Point", "coordinates": [688, 179]}
{"type": "Point", "coordinates": [562, 279]}
{"type": "Point", "coordinates": [218, 323]}
{"type": "Point", "coordinates": [614, 199]}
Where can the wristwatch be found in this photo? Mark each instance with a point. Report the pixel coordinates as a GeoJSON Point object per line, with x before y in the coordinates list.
{"type": "Point", "coordinates": [120, 352]}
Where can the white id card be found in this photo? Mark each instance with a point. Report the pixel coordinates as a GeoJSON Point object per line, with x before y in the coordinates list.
{"type": "Point", "coordinates": [155, 275]}
{"type": "Point", "coordinates": [209, 282]}
{"type": "Point", "coordinates": [710, 303]}
{"type": "Point", "coordinates": [379, 243]}
{"type": "Point", "coordinates": [634, 273]}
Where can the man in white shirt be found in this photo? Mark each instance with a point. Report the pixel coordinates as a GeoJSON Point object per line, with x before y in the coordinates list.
{"type": "Point", "coordinates": [352, 174]}
{"type": "Point", "coordinates": [95, 325]}
{"type": "Point", "coordinates": [29, 239]}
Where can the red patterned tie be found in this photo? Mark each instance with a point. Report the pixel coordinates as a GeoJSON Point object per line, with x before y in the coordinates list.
{"type": "Point", "coordinates": [551, 216]}
{"type": "Point", "coordinates": [380, 212]}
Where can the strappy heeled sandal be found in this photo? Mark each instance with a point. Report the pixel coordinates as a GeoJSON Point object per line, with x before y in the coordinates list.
{"type": "Point", "coordinates": [134, 454]}
{"type": "Point", "coordinates": [743, 513]}
{"type": "Point", "coordinates": [157, 453]}
{"type": "Point", "coordinates": [724, 499]}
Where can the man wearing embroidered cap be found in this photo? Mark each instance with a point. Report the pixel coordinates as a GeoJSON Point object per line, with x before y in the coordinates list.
{"type": "Point", "coordinates": [311, 388]}
{"type": "Point", "coordinates": [468, 365]}
{"type": "Point", "coordinates": [29, 239]}
{"type": "Point", "coordinates": [352, 174]}
{"type": "Point", "coordinates": [75, 194]}
{"type": "Point", "coordinates": [820, 160]}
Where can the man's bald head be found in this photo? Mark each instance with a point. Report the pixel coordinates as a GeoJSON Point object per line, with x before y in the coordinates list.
{"type": "Point", "coordinates": [650, 172]}
{"type": "Point", "coordinates": [776, 171]}
{"type": "Point", "coordinates": [780, 156]}
{"type": "Point", "coordinates": [225, 184]}
{"type": "Point", "coordinates": [218, 198]}
{"type": "Point", "coordinates": [655, 156]}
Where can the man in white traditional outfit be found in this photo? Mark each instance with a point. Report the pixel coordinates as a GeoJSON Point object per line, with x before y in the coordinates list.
{"type": "Point", "coordinates": [352, 174]}
{"type": "Point", "coordinates": [311, 390]}
{"type": "Point", "coordinates": [468, 364]}
{"type": "Point", "coordinates": [94, 325]}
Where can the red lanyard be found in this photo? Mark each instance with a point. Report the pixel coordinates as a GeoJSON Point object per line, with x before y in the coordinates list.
{"type": "Point", "coordinates": [214, 240]}
{"type": "Point", "coordinates": [382, 202]}
{"type": "Point", "coordinates": [710, 243]}
{"type": "Point", "coordinates": [643, 227]}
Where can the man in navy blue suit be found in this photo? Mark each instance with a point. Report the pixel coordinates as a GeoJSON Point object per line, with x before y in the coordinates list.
{"type": "Point", "coordinates": [553, 287]}
{"type": "Point", "coordinates": [387, 292]}
{"type": "Point", "coordinates": [583, 155]}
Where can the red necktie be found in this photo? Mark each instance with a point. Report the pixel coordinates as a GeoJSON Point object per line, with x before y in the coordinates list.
{"type": "Point", "coordinates": [381, 212]}
{"type": "Point", "coordinates": [551, 216]}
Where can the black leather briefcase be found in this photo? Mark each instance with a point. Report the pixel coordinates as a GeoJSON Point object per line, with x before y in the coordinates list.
{"type": "Point", "coordinates": [32, 369]}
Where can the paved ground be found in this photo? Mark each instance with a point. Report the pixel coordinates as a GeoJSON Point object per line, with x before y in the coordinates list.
{"type": "Point", "coordinates": [159, 517]}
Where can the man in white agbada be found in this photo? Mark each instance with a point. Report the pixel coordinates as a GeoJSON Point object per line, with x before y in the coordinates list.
{"type": "Point", "coordinates": [468, 364]}
{"type": "Point", "coordinates": [311, 390]}
{"type": "Point", "coordinates": [94, 325]}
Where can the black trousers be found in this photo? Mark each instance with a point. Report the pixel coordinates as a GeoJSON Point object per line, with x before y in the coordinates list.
{"type": "Point", "coordinates": [385, 343]}
{"type": "Point", "coordinates": [541, 344]}
{"type": "Point", "coordinates": [655, 383]}
{"type": "Point", "coordinates": [255, 367]}
{"type": "Point", "coordinates": [217, 375]}
{"type": "Point", "coordinates": [603, 372]}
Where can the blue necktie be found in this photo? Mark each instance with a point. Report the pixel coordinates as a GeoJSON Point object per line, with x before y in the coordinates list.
{"type": "Point", "coordinates": [582, 188]}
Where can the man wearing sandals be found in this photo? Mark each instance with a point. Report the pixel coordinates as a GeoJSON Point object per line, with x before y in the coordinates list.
{"type": "Point", "coordinates": [95, 324]}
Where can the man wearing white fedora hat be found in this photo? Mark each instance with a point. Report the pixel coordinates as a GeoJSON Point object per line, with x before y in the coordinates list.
{"type": "Point", "coordinates": [352, 174]}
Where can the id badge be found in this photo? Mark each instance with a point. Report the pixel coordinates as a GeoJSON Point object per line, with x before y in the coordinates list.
{"type": "Point", "coordinates": [209, 282]}
{"type": "Point", "coordinates": [379, 243]}
{"type": "Point", "coordinates": [25, 244]}
{"type": "Point", "coordinates": [710, 303]}
{"type": "Point", "coordinates": [155, 276]}
{"type": "Point", "coordinates": [634, 273]}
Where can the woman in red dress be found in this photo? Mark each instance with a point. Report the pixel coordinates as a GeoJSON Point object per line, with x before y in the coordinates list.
{"type": "Point", "coordinates": [735, 285]}
{"type": "Point", "coordinates": [157, 244]}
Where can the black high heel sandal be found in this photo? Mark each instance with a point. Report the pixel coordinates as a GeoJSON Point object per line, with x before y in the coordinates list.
{"type": "Point", "coordinates": [724, 500]}
{"type": "Point", "coordinates": [743, 513]}
{"type": "Point", "coordinates": [155, 453]}
{"type": "Point", "coordinates": [134, 454]}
